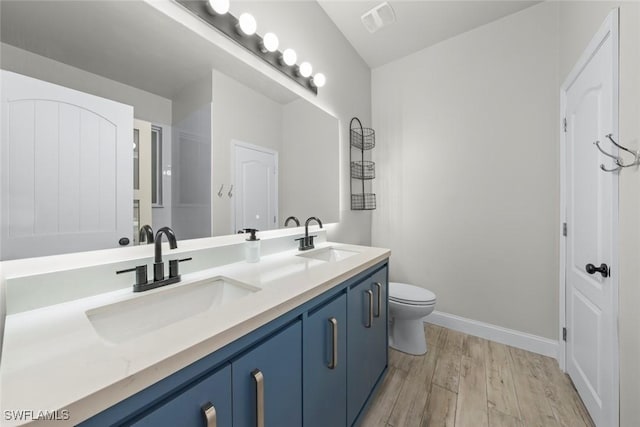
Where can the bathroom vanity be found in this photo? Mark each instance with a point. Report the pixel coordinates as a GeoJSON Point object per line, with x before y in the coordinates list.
{"type": "Point", "coordinates": [298, 339]}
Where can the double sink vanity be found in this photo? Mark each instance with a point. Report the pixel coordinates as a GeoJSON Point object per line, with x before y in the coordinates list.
{"type": "Point", "coordinates": [297, 339]}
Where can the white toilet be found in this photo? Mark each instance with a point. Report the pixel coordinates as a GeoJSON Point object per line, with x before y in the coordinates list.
{"type": "Point", "coordinates": [408, 304]}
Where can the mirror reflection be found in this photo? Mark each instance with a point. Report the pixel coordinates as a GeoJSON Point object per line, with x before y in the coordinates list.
{"type": "Point", "coordinates": [126, 118]}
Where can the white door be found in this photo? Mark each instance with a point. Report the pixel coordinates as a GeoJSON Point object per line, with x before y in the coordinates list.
{"type": "Point", "coordinates": [590, 106]}
{"type": "Point", "coordinates": [141, 176]}
{"type": "Point", "coordinates": [256, 187]}
{"type": "Point", "coordinates": [66, 169]}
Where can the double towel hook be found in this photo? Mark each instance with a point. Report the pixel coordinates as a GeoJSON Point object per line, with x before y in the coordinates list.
{"type": "Point", "coordinates": [618, 160]}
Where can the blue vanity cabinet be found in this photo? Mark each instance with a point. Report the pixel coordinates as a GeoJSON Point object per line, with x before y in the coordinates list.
{"type": "Point", "coordinates": [285, 372]}
{"type": "Point", "coordinates": [267, 381]}
{"type": "Point", "coordinates": [367, 339]}
{"type": "Point", "coordinates": [325, 364]}
{"type": "Point", "coordinates": [188, 408]}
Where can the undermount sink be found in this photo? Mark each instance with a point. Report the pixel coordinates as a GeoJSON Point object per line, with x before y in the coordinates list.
{"type": "Point", "coordinates": [122, 321]}
{"type": "Point", "coordinates": [329, 254]}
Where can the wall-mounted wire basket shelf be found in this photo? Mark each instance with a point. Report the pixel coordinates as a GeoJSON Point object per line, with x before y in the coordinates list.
{"type": "Point", "coordinates": [363, 202]}
{"type": "Point", "coordinates": [363, 169]}
{"type": "Point", "coordinates": [361, 139]}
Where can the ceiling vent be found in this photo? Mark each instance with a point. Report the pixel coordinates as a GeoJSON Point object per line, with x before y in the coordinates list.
{"type": "Point", "coordinates": [378, 17]}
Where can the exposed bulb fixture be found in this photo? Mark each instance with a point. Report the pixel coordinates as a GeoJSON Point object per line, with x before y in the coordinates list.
{"type": "Point", "coordinates": [289, 57]}
{"type": "Point", "coordinates": [319, 80]}
{"type": "Point", "coordinates": [305, 69]}
{"type": "Point", "coordinates": [270, 43]}
{"type": "Point", "coordinates": [242, 29]}
{"type": "Point", "coordinates": [247, 24]}
{"type": "Point", "coordinates": [218, 7]}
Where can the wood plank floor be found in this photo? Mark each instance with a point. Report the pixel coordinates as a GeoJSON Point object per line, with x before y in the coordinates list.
{"type": "Point", "coordinates": [466, 381]}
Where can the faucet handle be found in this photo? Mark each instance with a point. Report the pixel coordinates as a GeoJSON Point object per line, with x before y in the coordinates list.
{"type": "Point", "coordinates": [141, 274]}
{"type": "Point", "coordinates": [310, 244]}
{"type": "Point", "coordinates": [173, 266]}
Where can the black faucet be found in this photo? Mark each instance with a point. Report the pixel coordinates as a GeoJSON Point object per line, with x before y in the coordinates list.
{"type": "Point", "coordinates": [142, 284]}
{"type": "Point", "coordinates": [306, 242]}
{"type": "Point", "coordinates": [158, 265]}
{"type": "Point", "coordinates": [145, 234]}
{"type": "Point", "coordinates": [292, 218]}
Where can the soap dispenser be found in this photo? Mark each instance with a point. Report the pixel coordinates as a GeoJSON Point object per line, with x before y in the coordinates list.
{"type": "Point", "coordinates": [252, 247]}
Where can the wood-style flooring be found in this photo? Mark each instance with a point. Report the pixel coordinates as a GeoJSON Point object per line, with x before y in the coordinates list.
{"type": "Point", "coordinates": [466, 381]}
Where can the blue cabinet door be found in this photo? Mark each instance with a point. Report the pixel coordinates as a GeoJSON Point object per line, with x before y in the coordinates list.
{"type": "Point", "coordinates": [367, 338]}
{"type": "Point", "coordinates": [187, 409]}
{"type": "Point", "coordinates": [380, 347]}
{"type": "Point", "coordinates": [267, 381]}
{"type": "Point", "coordinates": [325, 365]}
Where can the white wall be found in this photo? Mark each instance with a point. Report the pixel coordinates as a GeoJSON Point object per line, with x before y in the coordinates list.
{"type": "Point", "coordinates": [578, 23]}
{"type": "Point", "coordinates": [468, 199]}
{"type": "Point", "coordinates": [304, 26]}
{"type": "Point", "coordinates": [309, 182]}
{"type": "Point", "coordinates": [241, 114]}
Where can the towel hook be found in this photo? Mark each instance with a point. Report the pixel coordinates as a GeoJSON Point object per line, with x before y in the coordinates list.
{"type": "Point", "coordinates": [220, 191]}
{"type": "Point", "coordinates": [617, 159]}
{"type": "Point", "coordinates": [230, 193]}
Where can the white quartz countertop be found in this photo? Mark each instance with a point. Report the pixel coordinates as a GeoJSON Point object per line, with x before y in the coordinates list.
{"type": "Point", "coordinates": [54, 360]}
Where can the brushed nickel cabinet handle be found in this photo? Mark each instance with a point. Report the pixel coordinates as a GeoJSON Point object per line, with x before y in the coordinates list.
{"type": "Point", "coordinates": [370, 296]}
{"type": "Point", "coordinates": [258, 377]}
{"type": "Point", "coordinates": [209, 412]}
{"type": "Point", "coordinates": [379, 287]}
{"type": "Point", "coordinates": [334, 339]}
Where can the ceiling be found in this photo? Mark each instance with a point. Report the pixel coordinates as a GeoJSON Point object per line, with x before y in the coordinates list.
{"type": "Point", "coordinates": [126, 41]}
{"type": "Point", "coordinates": [419, 24]}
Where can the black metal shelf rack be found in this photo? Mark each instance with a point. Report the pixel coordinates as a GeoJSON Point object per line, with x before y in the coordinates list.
{"type": "Point", "coordinates": [361, 140]}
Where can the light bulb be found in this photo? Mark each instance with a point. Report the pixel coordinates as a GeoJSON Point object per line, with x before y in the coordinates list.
{"type": "Point", "coordinates": [305, 69]}
{"type": "Point", "coordinates": [247, 24]}
{"type": "Point", "coordinates": [218, 7]}
{"type": "Point", "coordinates": [289, 57]}
{"type": "Point", "coordinates": [319, 80]}
{"type": "Point", "coordinates": [270, 43]}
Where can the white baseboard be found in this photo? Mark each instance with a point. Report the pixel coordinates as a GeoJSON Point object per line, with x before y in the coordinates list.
{"type": "Point", "coordinates": [523, 340]}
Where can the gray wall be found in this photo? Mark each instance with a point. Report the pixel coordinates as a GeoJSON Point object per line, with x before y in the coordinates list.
{"type": "Point", "coordinates": [468, 148]}
{"type": "Point", "coordinates": [240, 114]}
{"type": "Point", "coordinates": [473, 161]}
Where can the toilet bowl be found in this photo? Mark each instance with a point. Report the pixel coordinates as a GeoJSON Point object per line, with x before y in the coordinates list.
{"type": "Point", "coordinates": [408, 305]}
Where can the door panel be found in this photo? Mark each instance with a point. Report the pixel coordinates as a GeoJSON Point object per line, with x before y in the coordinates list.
{"type": "Point", "coordinates": [279, 360]}
{"type": "Point", "coordinates": [590, 198]}
{"type": "Point", "coordinates": [66, 169]}
{"type": "Point", "coordinates": [325, 387]}
{"type": "Point", "coordinates": [367, 355]}
{"type": "Point", "coordinates": [256, 183]}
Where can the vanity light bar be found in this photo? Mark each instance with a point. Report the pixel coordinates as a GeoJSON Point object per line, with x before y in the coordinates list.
{"type": "Point", "coordinates": [244, 34]}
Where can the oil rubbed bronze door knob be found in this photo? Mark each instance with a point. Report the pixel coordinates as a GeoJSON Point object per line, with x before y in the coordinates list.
{"type": "Point", "coordinates": [603, 269]}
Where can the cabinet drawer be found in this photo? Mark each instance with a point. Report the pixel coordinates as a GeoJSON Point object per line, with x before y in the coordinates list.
{"type": "Point", "coordinates": [186, 409]}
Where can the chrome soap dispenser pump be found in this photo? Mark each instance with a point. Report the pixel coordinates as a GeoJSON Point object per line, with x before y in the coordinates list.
{"type": "Point", "coordinates": [252, 246]}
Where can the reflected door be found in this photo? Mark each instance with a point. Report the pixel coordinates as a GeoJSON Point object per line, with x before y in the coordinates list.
{"type": "Point", "coordinates": [590, 210]}
{"type": "Point", "coordinates": [141, 176]}
{"type": "Point", "coordinates": [66, 169]}
{"type": "Point", "coordinates": [256, 187]}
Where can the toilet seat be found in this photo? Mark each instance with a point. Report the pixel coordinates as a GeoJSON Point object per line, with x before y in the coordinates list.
{"type": "Point", "coordinates": [404, 293]}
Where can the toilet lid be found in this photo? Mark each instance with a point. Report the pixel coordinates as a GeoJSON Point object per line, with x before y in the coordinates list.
{"type": "Point", "coordinates": [410, 294]}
